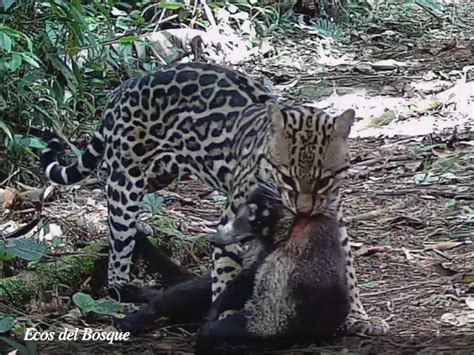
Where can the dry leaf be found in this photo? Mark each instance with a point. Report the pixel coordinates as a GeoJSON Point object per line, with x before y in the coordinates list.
{"type": "Point", "coordinates": [442, 270]}
{"type": "Point", "coordinates": [446, 245]}
{"type": "Point", "coordinates": [468, 279]}
{"type": "Point", "coordinates": [33, 195]}
{"type": "Point", "coordinates": [382, 120]}
{"type": "Point", "coordinates": [442, 153]}
{"type": "Point", "coordinates": [388, 64]}
{"type": "Point", "coordinates": [470, 302]}
{"type": "Point", "coordinates": [457, 320]}
{"type": "Point", "coordinates": [426, 105]}
{"type": "Point", "coordinates": [8, 197]}
{"type": "Point", "coordinates": [367, 251]}
{"type": "Point", "coordinates": [364, 68]}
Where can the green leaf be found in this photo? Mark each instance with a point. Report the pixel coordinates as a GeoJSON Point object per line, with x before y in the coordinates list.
{"type": "Point", "coordinates": [6, 42]}
{"type": "Point", "coordinates": [15, 62]}
{"type": "Point", "coordinates": [83, 301]}
{"type": "Point", "coordinates": [450, 203]}
{"type": "Point", "coordinates": [107, 306]}
{"type": "Point", "coordinates": [64, 69]}
{"type": "Point", "coordinates": [6, 129]}
{"type": "Point", "coordinates": [425, 178]}
{"type": "Point", "coordinates": [170, 5]}
{"type": "Point", "coordinates": [6, 323]}
{"type": "Point", "coordinates": [31, 142]}
{"type": "Point", "coordinates": [182, 15]}
{"type": "Point", "coordinates": [6, 4]}
{"type": "Point", "coordinates": [57, 91]}
{"type": "Point", "coordinates": [449, 176]}
{"type": "Point", "coordinates": [369, 284]}
{"type": "Point", "coordinates": [122, 23]}
{"type": "Point", "coordinates": [20, 347]}
{"type": "Point", "coordinates": [31, 59]}
{"type": "Point", "coordinates": [12, 32]}
{"type": "Point", "coordinates": [103, 306]}
{"type": "Point", "coordinates": [152, 203]}
{"type": "Point", "coordinates": [128, 39]}
{"type": "Point", "coordinates": [170, 231]}
{"type": "Point", "coordinates": [4, 256]}
{"type": "Point", "coordinates": [31, 347]}
{"type": "Point", "coordinates": [24, 248]}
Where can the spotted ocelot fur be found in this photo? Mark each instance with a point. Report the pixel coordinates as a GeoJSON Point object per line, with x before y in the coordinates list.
{"type": "Point", "coordinates": [226, 129]}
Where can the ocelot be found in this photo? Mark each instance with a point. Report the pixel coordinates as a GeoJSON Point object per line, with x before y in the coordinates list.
{"type": "Point", "coordinates": [226, 129]}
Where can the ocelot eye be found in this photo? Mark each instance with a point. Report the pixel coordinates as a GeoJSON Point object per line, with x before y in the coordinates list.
{"type": "Point", "coordinates": [287, 182]}
{"type": "Point", "coordinates": [322, 185]}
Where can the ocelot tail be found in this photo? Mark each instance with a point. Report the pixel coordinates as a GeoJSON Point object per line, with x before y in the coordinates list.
{"type": "Point", "coordinates": [224, 128]}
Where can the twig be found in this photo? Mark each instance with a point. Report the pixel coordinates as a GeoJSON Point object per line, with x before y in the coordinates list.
{"type": "Point", "coordinates": [417, 284]}
{"type": "Point", "coordinates": [374, 213]}
{"type": "Point", "coordinates": [208, 12]}
{"type": "Point", "coordinates": [22, 230]}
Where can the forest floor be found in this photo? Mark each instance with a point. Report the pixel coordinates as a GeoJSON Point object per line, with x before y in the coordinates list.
{"type": "Point", "coordinates": [409, 201]}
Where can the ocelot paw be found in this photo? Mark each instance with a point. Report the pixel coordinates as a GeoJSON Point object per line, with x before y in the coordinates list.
{"type": "Point", "coordinates": [358, 324]}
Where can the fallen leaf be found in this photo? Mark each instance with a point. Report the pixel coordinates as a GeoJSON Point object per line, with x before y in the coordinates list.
{"type": "Point", "coordinates": [50, 232]}
{"type": "Point", "coordinates": [468, 279]}
{"type": "Point", "coordinates": [445, 245]}
{"type": "Point", "coordinates": [470, 302]}
{"type": "Point", "coordinates": [440, 269]}
{"type": "Point", "coordinates": [364, 68]}
{"type": "Point", "coordinates": [384, 119]}
{"type": "Point", "coordinates": [442, 153]}
{"type": "Point", "coordinates": [457, 320]}
{"type": "Point", "coordinates": [388, 64]}
{"type": "Point", "coordinates": [34, 195]}
{"type": "Point", "coordinates": [430, 75]}
{"type": "Point", "coordinates": [8, 197]}
{"type": "Point", "coordinates": [368, 251]}
{"type": "Point", "coordinates": [426, 105]}
{"type": "Point", "coordinates": [90, 202]}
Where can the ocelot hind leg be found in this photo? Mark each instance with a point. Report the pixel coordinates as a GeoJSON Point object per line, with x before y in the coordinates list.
{"type": "Point", "coordinates": [125, 193]}
{"type": "Point", "coordinates": [124, 196]}
{"type": "Point", "coordinates": [358, 322]}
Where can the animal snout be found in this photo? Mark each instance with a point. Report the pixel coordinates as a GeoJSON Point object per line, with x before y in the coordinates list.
{"type": "Point", "coordinates": [304, 204]}
{"type": "Point", "coordinates": [219, 239]}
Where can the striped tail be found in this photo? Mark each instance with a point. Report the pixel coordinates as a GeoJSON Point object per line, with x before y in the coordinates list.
{"type": "Point", "coordinates": [80, 169]}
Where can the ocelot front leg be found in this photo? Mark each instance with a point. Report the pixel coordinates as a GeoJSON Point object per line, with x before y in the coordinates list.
{"type": "Point", "coordinates": [358, 322]}
{"type": "Point", "coordinates": [226, 265]}
{"type": "Point", "coordinates": [226, 262]}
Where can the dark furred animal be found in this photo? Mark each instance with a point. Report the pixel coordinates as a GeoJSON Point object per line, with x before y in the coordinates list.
{"type": "Point", "coordinates": [291, 288]}
{"type": "Point", "coordinates": [223, 127]}
{"type": "Point", "coordinates": [295, 288]}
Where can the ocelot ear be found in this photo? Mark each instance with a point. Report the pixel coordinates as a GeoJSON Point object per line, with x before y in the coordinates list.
{"type": "Point", "coordinates": [276, 116]}
{"type": "Point", "coordinates": [343, 124]}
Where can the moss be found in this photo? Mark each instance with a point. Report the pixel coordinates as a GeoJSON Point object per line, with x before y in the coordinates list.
{"type": "Point", "coordinates": [69, 271]}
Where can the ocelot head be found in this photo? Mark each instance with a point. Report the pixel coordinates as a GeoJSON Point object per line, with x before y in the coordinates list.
{"type": "Point", "coordinates": [309, 155]}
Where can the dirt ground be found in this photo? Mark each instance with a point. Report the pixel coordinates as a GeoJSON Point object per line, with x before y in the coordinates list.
{"type": "Point", "coordinates": [409, 202]}
{"type": "Point", "coordinates": [413, 249]}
